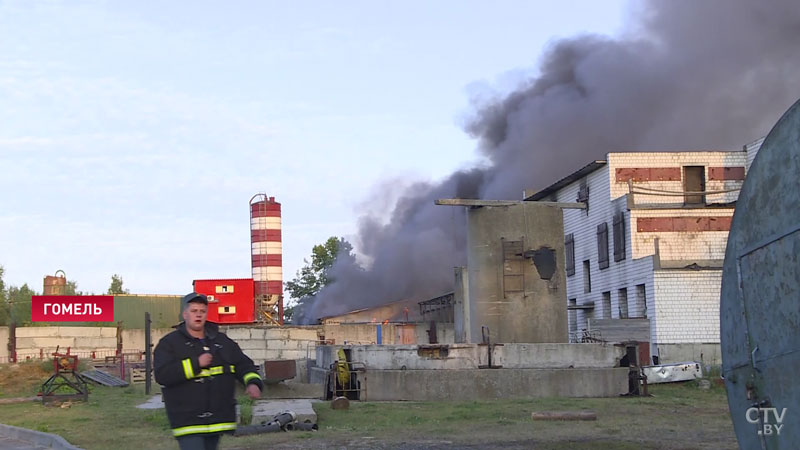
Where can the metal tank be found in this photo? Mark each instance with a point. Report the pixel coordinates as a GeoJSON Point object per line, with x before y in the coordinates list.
{"type": "Point", "coordinates": [55, 285]}
{"type": "Point", "coordinates": [517, 286]}
{"type": "Point", "coordinates": [760, 301]}
{"type": "Point", "coordinates": [265, 238]}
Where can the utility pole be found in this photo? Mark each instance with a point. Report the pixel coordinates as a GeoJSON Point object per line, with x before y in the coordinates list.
{"type": "Point", "coordinates": [148, 364]}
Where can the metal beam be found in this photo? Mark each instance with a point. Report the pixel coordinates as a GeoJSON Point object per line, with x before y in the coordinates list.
{"type": "Point", "coordinates": [478, 203]}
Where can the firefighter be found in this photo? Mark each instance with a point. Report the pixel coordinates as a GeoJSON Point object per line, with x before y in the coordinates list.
{"type": "Point", "coordinates": [197, 367]}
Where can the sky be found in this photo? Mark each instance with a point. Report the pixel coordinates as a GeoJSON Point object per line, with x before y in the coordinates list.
{"type": "Point", "coordinates": [133, 134]}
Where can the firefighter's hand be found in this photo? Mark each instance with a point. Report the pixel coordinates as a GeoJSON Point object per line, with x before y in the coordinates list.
{"type": "Point", "coordinates": [253, 391]}
{"type": "Point", "coordinates": [205, 360]}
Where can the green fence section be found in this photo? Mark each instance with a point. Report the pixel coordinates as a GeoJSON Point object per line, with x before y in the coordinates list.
{"type": "Point", "coordinates": [165, 310]}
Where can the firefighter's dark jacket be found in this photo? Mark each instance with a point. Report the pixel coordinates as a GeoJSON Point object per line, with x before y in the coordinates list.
{"type": "Point", "coordinates": [201, 400]}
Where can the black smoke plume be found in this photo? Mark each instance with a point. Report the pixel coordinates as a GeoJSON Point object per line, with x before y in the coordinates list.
{"type": "Point", "coordinates": [684, 75]}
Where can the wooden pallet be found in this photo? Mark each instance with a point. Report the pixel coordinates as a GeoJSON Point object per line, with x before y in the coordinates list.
{"type": "Point", "coordinates": [138, 375]}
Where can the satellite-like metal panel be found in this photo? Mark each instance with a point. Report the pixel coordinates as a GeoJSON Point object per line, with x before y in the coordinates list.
{"type": "Point", "coordinates": [760, 304]}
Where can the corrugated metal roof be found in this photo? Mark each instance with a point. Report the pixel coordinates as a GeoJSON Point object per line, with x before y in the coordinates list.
{"type": "Point", "coordinates": [224, 279]}
{"type": "Point", "coordinates": [574, 176]}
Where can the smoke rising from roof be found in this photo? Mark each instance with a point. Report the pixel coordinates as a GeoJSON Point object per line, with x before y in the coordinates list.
{"type": "Point", "coordinates": [685, 76]}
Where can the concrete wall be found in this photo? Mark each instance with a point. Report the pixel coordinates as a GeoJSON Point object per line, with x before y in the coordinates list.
{"type": "Point", "coordinates": [33, 341]}
{"type": "Point", "coordinates": [557, 355]}
{"type": "Point", "coordinates": [687, 306]}
{"type": "Point", "coordinates": [491, 384]}
{"type": "Point", "coordinates": [262, 344]}
{"type": "Point", "coordinates": [461, 318]}
{"type": "Point", "coordinates": [3, 344]}
{"type": "Point", "coordinates": [383, 357]}
{"type": "Point", "coordinates": [689, 246]}
{"type": "Point", "coordinates": [708, 354]}
{"type": "Point", "coordinates": [471, 356]}
{"type": "Point", "coordinates": [520, 299]}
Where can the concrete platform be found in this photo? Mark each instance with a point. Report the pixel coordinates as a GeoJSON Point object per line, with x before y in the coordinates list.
{"type": "Point", "coordinates": [471, 356]}
{"type": "Point", "coordinates": [16, 438]}
{"type": "Point", "coordinates": [265, 410]}
{"type": "Point", "coordinates": [155, 402]}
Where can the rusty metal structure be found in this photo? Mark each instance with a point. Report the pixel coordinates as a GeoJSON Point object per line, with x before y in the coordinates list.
{"type": "Point", "coordinates": [55, 284]}
{"type": "Point", "coordinates": [65, 383]}
{"type": "Point", "coordinates": [760, 304]}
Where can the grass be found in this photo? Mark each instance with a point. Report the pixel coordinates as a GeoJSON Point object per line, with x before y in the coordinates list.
{"type": "Point", "coordinates": [676, 416]}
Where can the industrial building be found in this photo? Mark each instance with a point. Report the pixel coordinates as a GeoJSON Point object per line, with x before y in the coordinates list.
{"type": "Point", "coordinates": [650, 244]}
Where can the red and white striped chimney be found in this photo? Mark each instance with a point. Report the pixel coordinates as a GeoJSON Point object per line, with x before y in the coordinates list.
{"type": "Point", "coordinates": [265, 238]}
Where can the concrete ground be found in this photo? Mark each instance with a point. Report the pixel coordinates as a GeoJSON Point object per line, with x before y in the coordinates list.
{"type": "Point", "coordinates": [154, 402]}
{"type": "Point", "coordinates": [17, 438]}
{"type": "Point", "coordinates": [7, 443]}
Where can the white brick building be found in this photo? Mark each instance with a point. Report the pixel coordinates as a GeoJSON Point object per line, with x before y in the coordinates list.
{"type": "Point", "coordinates": [643, 248]}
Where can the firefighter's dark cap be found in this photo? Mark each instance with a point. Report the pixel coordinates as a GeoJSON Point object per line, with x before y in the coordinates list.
{"type": "Point", "coordinates": [194, 297]}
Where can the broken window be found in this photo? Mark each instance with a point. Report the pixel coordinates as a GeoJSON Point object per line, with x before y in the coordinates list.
{"type": "Point", "coordinates": [569, 253]}
{"type": "Point", "coordinates": [602, 245]}
{"type": "Point", "coordinates": [583, 195]}
{"type": "Point", "coordinates": [622, 303]}
{"type": "Point", "coordinates": [572, 316]}
{"type": "Point", "coordinates": [694, 180]}
{"type": "Point", "coordinates": [587, 278]}
{"type": "Point", "coordinates": [641, 300]}
{"type": "Point", "coordinates": [619, 236]}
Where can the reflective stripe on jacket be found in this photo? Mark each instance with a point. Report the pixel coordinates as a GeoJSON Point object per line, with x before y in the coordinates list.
{"type": "Point", "coordinates": [201, 400]}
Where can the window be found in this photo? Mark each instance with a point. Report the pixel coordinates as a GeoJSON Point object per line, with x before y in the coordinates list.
{"type": "Point", "coordinates": [587, 278]}
{"type": "Point", "coordinates": [641, 300]}
{"type": "Point", "coordinates": [602, 245]}
{"type": "Point", "coordinates": [583, 195]}
{"type": "Point", "coordinates": [694, 180]}
{"type": "Point", "coordinates": [606, 305]}
{"type": "Point", "coordinates": [622, 302]}
{"type": "Point", "coordinates": [569, 253]}
{"type": "Point", "coordinates": [619, 236]}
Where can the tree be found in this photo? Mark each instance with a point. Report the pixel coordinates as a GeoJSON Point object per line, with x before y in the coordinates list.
{"type": "Point", "coordinates": [5, 311]}
{"type": "Point", "coordinates": [116, 286]}
{"type": "Point", "coordinates": [315, 274]}
{"type": "Point", "coordinates": [72, 288]}
{"type": "Point", "coordinates": [19, 300]}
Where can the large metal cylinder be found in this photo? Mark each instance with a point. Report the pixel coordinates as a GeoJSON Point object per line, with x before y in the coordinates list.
{"type": "Point", "coordinates": [760, 299]}
{"type": "Point", "coordinates": [265, 238]}
{"type": "Point", "coordinates": [55, 285]}
{"type": "Point", "coordinates": [517, 285]}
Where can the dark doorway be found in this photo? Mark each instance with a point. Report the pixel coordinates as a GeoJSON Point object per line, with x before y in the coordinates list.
{"type": "Point", "coordinates": [694, 180]}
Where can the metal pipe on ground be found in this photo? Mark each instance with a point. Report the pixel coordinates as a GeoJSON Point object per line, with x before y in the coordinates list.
{"type": "Point", "coordinates": [301, 426]}
{"type": "Point", "coordinates": [248, 430]}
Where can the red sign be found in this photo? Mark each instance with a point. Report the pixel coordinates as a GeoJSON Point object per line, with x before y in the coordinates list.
{"type": "Point", "coordinates": [72, 308]}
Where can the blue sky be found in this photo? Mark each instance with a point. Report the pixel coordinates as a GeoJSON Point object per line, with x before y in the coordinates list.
{"type": "Point", "coordinates": [133, 134]}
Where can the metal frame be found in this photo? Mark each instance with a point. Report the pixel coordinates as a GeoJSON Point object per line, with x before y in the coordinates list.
{"type": "Point", "coordinates": [358, 371]}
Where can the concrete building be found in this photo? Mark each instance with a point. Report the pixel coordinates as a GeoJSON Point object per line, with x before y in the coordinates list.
{"type": "Point", "coordinates": [400, 311]}
{"type": "Point", "coordinates": [650, 244]}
